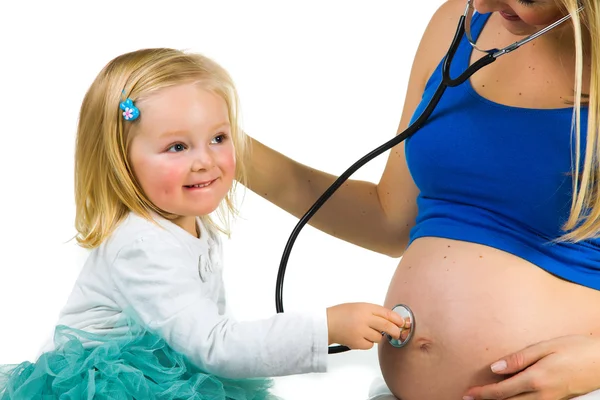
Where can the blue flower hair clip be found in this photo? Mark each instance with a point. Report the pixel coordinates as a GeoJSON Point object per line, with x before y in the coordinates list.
{"type": "Point", "coordinates": [130, 111]}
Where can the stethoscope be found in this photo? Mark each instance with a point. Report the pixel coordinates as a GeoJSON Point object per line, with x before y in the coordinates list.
{"type": "Point", "coordinates": [464, 27]}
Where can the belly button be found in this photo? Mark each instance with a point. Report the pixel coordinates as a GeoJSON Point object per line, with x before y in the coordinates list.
{"type": "Point", "coordinates": [424, 345]}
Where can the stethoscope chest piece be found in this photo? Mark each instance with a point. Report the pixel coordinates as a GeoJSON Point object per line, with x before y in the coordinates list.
{"type": "Point", "coordinates": [405, 312]}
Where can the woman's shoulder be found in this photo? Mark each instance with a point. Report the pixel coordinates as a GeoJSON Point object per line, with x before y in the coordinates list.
{"type": "Point", "coordinates": [438, 35]}
{"type": "Point", "coordinates": [445, 19]}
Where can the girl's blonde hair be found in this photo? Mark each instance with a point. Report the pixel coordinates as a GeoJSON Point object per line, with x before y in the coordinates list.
{"type": "Point", "coordinates": [106, 189]}
{"type": "Point", "coordinates": [584, 220]}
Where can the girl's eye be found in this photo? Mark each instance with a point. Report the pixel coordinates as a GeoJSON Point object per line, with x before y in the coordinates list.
{"type": "Point", "coordinates": [177, 147]}
{"type": "Point", "coordinates": [219, 138]}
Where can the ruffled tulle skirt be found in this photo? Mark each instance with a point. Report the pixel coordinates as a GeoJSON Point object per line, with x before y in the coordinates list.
{"type": "Point", "coordinates": [136, 365]}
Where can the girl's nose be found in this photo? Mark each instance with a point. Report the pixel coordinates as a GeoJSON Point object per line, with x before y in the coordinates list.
{"type": "Point", "coordinates": [203, 160]}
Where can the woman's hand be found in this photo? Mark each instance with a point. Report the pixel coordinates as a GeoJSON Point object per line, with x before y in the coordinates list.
{"type": "Point", "coordinates": [556, 369]}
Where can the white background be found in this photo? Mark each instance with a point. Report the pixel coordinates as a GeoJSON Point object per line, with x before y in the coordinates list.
{"type": "Point", "coordinates": [320, 81]}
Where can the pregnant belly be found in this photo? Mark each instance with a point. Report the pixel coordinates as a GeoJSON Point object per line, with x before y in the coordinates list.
{"type": "Point", "coordinates": [474, 304]}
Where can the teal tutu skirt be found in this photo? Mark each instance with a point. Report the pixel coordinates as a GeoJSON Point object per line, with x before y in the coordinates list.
{"type": "Point", "coordinates": [139, 365]}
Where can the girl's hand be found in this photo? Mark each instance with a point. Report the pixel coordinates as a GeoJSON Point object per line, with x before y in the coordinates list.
{"type": "Point", "coordinates": [360, 325]}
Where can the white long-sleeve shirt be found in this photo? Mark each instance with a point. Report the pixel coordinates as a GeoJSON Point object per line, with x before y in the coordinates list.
{"type": "Point", "coordinates": [173, 281]}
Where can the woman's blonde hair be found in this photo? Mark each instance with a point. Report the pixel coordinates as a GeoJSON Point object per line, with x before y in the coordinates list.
{"type": "Point", "coordinates": [106, 189]}
{"type": "Point", "coordinates": [584, 220]}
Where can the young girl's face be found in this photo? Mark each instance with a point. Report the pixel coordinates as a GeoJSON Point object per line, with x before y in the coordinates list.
{"type": "Point", "coordinates": [182, 152]}
{"type": "Point", "coordinates": [522, 17]}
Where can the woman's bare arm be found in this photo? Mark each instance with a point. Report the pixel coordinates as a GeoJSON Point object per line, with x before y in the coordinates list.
{"type": "Point", "coordinates": [374, 216]}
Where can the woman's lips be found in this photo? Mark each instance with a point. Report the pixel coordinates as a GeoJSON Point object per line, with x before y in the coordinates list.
{"type": "Point", "coordinates": [510, 17]}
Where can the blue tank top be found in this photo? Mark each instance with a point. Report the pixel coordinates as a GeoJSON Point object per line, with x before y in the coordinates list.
{"type": "Point", "coordinates": [498, 175]}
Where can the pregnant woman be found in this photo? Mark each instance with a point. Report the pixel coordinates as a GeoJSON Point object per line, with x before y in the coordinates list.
{"type": "Point", "coordinates": [492, 205]}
